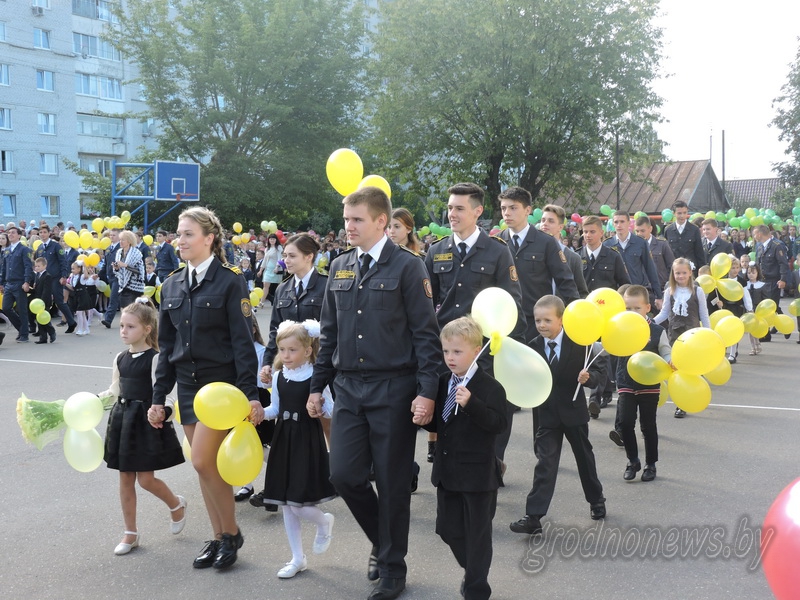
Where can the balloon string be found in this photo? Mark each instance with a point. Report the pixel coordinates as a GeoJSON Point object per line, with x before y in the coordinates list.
{"type": "Point", "coordinates": [586, 364]}
{"type": "Point", "coordinates": [474, 362]}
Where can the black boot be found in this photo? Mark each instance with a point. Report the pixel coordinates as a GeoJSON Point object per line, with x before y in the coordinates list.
{"type": "Point", "coordinates": [431, 451]}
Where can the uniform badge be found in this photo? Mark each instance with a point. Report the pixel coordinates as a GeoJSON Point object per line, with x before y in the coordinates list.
{"type": "Point", "coordinates": [442, 257]}
{"type": "Point", "coordinates": [561, 255]}
{"type": "Point", "coordinates": [512, 272]}
{"type": "Point", "coordinates": [343, 274]}
{"type": "Point", "coordinates": [247, 310]}
{"type": "Point", "coordinates": [426, 283]}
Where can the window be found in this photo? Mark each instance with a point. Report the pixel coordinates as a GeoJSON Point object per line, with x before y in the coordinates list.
{"type": "Point", "coordinates": [48, 164]}
{"type": "Point", "coordinates": [9, 205]}
{"type": "Point", "coordinates": [41, 38]}
{"type": "Point", "coordinates": [47, 123]}
{"type": "Point", "coordinates": [94, 9]}
{"type": "Point", "coordinates": [42, 3]}
{"type": "Point", "coordinates": [96, 85]}
{"type": "Point", "coordinates": [99, 126]}
{"type": "Point", "coordinates": [6, 161]}
{"type": "Point", "coordinates": [44, 80]}
{"type": "Point", "coordinates": [89, 45]}
{"type": "Point", "coordinates": [51, 206]}
{"type": "Point", "coordinates": [5, 118]}
{"type": "Point", "coordinates": [5, 77]}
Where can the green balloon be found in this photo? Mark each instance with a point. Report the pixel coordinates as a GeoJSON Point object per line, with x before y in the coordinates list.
{"type": "Point", "coordinates": [731, 213]}
{"type": "Point", "coordinates": [735, 222]}
{"type": "Point", "coordinates": [744, 223]}
{"type": "Point", "coordinates": [606, 210]}
{"type": "Point", "coordinates": [537, 215]}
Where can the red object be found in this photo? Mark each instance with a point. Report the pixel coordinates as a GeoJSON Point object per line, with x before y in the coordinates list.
{"type": "Point", "coordinates": [780, 543]}
{"type": "Point", "coordinates": [577, 218]}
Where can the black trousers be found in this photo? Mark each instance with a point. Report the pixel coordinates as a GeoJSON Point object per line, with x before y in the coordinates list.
{"type": "Point", "coordinates": [464, 522]}
{"type": "Point", "coordinates": [548, 451]}
{"type": "Point", "coordinates": [372, 426]}
{"type": "Point", "coordinates": [647, 405]}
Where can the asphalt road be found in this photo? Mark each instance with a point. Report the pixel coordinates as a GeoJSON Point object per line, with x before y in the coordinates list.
{"type": "Point", "coordinates": [692, 533]}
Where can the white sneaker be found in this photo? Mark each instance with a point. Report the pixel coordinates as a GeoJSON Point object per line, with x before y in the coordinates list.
{"type": "Point", "coordinates": [291, 569]}
{"type": "Point", "coordinates": [324, 535]}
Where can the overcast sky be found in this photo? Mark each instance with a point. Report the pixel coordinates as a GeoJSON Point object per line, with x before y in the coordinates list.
{"type": "Point", "coordinates": [726, 63]}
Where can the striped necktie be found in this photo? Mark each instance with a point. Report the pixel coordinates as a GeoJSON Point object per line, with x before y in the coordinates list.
{"type": "Point", "coordinates": [450, 403]}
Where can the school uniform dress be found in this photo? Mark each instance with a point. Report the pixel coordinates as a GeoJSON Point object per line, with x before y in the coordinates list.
{"type": "Point", "coordinates": [683, 310]}
{"type": "Point", "coordinates": [132, 444]}
{"type": "Point", "coordinates": [298, 471]}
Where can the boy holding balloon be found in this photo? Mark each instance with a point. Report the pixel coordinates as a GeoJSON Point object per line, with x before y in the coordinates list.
{"type": "Point", "coordinates": [43, 290]}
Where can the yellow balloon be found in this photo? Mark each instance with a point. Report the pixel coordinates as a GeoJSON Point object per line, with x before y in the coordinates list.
{"type": "Point", "coordinates": [731, 330]}
{"type": "Point", "coordinates": [765, 308]}
{"type": "Point", "coordinates": [721, 374]}
{"type": "Point", "coordinates": [344, 170]}
{"type": "Point", "coordinates": [770, 319]}
{"type": "Point", "coordinates": [376, 181]}
{"type": "Point", "coordinates": [36, 306]}
{"type": "Point", "coordinates": [720, 266]}
{"type": "Point", "coordinates": [187, 449]}
{"type": "Point", "coordinates": [794, 307]}
{"type": "Point", "coordinates": [158, 294]}
{"type": "Point", "coordinates": [105, 243]}
{"type": "Point", "coordinates": [71, 239]}
{"type": "Point", "coordinates": [237, 227]}
{"type": "Point", "coordinates": [663, 394]}
{"type": "Point", "coordinates": [100, 285]}
{"type": "Point", "coordinates": [717, 316]}
{"type": "Point", "coordinates": [23, 241]}
{"type": "Point", "coordinates": [95, 243]}
{"type": "Point", "coordinates": [697, 351]}
{"type": "Point", "coordinates": [784, 324]}
{"type": "Point", "coordinates": [689, 392]}
{"type": "Point", "coordinates": [625, 333]}
{"type": "Point", "coordinates": [760, 328]}
{"type": "Point", "coordinates": [220, 405]}
{"type": "Point", "coordinates": [148, 239]}
{"type": "Point", "coordinates": [495, 311]}
{"type": "Point", "coordinates": [177, 410]}
{"type": "Point", "coordinates": [125, 216]}
{"type": "Point", "coordinates": [92, 259]}
{"type": "Point", "coordinates": [323, 262]}
{"type": "Point", "coordinates": [259, 292]}
{"type": "Point", "coordinates": [648, 368]}
{"type": "Point", "coordinates": [749, 321]}
{"type": "Point", "coordinates": [707, 283]}
{"type": "Point", "coordinates": [515, 367]}
{"type": "Point", "coordinates": [241, 455]}
{"type": "Point", "coordinates": [254, 299]}
{"type": "Point", "coordinates": [149, 290]}
{"type": "Point", "coordinates": [609, 301]}
{"type": "Point", "coordinates": [36, 245]}
{"type": "Point", "coordinates": [273, 226]}
{"type": "Point", "coordinates": [43, 318]}
{"type": "Point", "coordinates": [107, 291]}
{"type": "Point", "coordinates": [83, 411]}
{"type": "Point", "coordinates": [98, 225]}
{"type": "Point", "coordinates": [83, 449]}
{"type": "Point", "coordinates": [583, 322]}
{"type": "Point", "coordinates": [245, 237]}
{"type": "Point", "coordinates": [85, 239]}
{"type": "Point", "coordinates": [236, 240]}
{"type": "Point", "coordinates": [730, 289]}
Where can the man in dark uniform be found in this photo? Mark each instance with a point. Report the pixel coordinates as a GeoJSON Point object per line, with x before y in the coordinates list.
{"type": "Point", "coordinates": [467, 262]}
{"type": "Point", "coordinates": [660, 250]}
{"type": "Point", "coordinates": [684, 238]}
{"type": "Point", "coordinates": [15, 282]}
{"type": "Point", "coordinates": [166, 259]}
{"type": "Point", "coordinates": [141, 246]}
{"type": "Point", "coordinates": [636, 255]}
{"type": "Point", "coordinates": [111, 274]}
{"type": "Point", "coordinates": [772, 258]}
{"type": "Point", "coordinates": [379, 346]}
{"type": "Point", "coordinates": [58, 268]}
{"type": "Point", "coordinates": [713, 243]}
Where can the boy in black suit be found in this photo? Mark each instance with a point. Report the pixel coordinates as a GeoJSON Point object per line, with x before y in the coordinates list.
{"type": "Point", "coordinates": [560, 416]}
{"type": "Point", "coordinates": [43, 289]}
{"type": "Point", "coordinates": [470, 413]}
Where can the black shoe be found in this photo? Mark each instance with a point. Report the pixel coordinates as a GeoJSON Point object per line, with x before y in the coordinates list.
{"type": "Point", "coordinates": [463, 585]}
{"type": "Point", "coordinates": [61, 324]}
{"type": "Point", "coordinates": [388, 588]}
{"type": "Point", "coordinates": [53, 336]}
{"type": "Point", "coordinates": [257, 500]}
{"type": "Point", "coordinates": [605, 401]}
{"type": "Point", "coordinates": [649, 473]}
{"type": "Point", "coordinates": [598, 510]}
{"type": "Point", "coordinates": [786, 336]}
{"type": "Point", "coordinates": [41, 340]}
{"type": "Point", "coordinates": [679, 413]}
{"type": "Point", "coordinates": [3, 336]}
{"type": "Point", "coordinates": [594, 408]}
{"type": "Point", "coordinates": [631, 470]}
{"type": "Point", "coordinates": [615, 437]}
{"type": "Point", "coordinates": [243, 494]}
{"type": "Point", "coordinates": [766, 338]}
{"type": "Point", "coordinates": [22, 341]}
{"type": "Point", "coordinates": [529, 524]}
{"type": "Point", "coordinates": [229, 544]}
{"type": "Point", "coordinates": [105, 324]}
{"type": "Point", "coordinates": [71, 328]}
{"type": "Point", "coordinates": [431, 451]}
{"type": "Point", "coordinates": [414, 481]}
{"type": "Point", "coordinates": [373, 574]}
{"type": "Point", "coordinates": [207, 555]}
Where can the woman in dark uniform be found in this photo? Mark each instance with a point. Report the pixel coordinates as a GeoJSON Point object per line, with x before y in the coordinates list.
{"type": "Point", "coordinates": [205, 333]}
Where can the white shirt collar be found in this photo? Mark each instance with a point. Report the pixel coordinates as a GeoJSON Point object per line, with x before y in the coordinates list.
{"type": "Point", "coordinates": [200, 270]}
{"type": "Point", "coordinates": [558, 340]}
{"type": "Point", "coordinates": [712, 242]}
{"type": "Point", "coordinates": [301, 373]}
{"type": "Point", "coordinates": [12, 246]}
{"type": "Point", "coordinates": [622, 243]}
{"type": "Point", "coordinates": [306, 278]}
{"type": "Point", "coordinates": [680, 227]}
{"type": "Point", "coordinates": [470, 241]}
{"type": "Point", "coordinates": [375, 251]}
{"type": "Point", "coordinates": [522, 234]}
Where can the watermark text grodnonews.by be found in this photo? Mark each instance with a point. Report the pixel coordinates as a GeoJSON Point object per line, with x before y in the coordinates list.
{"type": "Point", "coordinates": [647, 542]}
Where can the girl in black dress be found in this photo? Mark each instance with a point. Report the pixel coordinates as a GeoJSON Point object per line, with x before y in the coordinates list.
{"type": "Point", "coordinates": [297, 468]}
{"type": "Point", "coordinates": [132, 446]}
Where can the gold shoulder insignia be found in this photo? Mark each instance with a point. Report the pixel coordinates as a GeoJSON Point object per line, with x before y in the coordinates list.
{"type": "Point", "coordinates": [499, 239]}
{"type": "Point", "coordinates": [178, 270]}
{"type": "Point", "coordinates": [407, 249]}
{"type": "Point", "coordinates": [233, 268]}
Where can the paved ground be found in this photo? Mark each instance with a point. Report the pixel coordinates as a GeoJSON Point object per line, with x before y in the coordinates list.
{"type": "Point", "coordinates": [691, 533]}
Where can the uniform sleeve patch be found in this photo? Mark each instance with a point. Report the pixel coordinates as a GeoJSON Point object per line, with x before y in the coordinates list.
{"type": "Point", "coordinates": [426, 283]}
{"type": "Point", "coordinates": [247, 310]}
{"type": "Point", "coordinates": [343, 274]}
{"type": "Point", "coordinates": [512, 272]}
{"type": "Point", "coordinates": [561, 255]}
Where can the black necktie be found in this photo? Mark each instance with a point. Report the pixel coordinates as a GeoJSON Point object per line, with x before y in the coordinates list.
{"type": "Point", "coordinates": [450, 403]}
{"type": "Point", "coordinates": [515, 240]}
{"type": "Point", "coordinates": [193, 280]}
{"type": "Point", "coordinates": [462, 250]}
{"type": "Point", "coordinates": [709, 246]}
{"type": "Point", "coordinates": [299, 289]}
{"type": "Point", "coordinates": [553, 360]}
{"type": "Point", "coordinates": [591, 260]}
{"type": "Point", "coordinates": [366, 260]}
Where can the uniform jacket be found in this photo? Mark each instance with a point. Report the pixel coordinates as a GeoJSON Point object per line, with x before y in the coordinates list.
{"type": "Point", "coordinates": [559, 409]}
{"type": "Point", "coordinates": [110, 257]}
{"type": "Point", "coordinates": [638, 262]}
{"type": "Point", "coordinates": [380, 325]}
{"type": "Point", "coordinates": [210, 329]}
{"type": "Point", "coordinates": [688, 244]}
{"type": "Point", "coordinates": [576, 266]}
{"type": "Point", "coordinates": [455, 283]}
{"type": "Point", "coordinates": [465, 454]}
{"type": "Point", "coordinates": [774, 262]}
{"type": "Point", "coordinates": [166, 260]}
{"type": "Point", "coordinates": [56, 258]}
{"type": "Point", "coordinates": [17, 266]}
{"type": "Point", "coordinates": [663, 258]}
{"type": "Point", "coordinates": [608, 271]}
{"type": "Point", "coordinates": [144, 249]}
{"type": "Point", "coordinates": [288, 307]}
{"type": "Point", "coordinates": [539, 262]}
{"type": "Point", "coordinates": [719, 246]}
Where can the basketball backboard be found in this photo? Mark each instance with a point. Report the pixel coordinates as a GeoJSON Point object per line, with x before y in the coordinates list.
{"type": "Point", "coordinates": [177, 181]}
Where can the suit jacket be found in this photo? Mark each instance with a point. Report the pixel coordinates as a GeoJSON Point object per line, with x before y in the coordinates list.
{"type": "Point", "coordinates": [688, 244]}
{"type": "Point", "coordinates": [144, 249]}
{"type": "Point", "coordinates": [17, 266]}
{"type": "Point", "coordinates": [576, 266]}
{"type": "Point", "coordinates": [539, 262]}
{"type": "Point", "coordinates": [465, 454]}
{"type": "Point", "coordinates": [56, 258]}
{"type": "Point", "coordinates": [774, 262]}
{"type": "Point", "coordinates": [42, 288]}
{"type": "Point", "coordinates": [166, 260]}
{"type": "Point", "coordinates": [663, 258]}
{"type": "Point", "coordinates": [638, 262]}
{"type": "Point", "coordinates": [719, 246]}
{"type": "Point", "coordinates": [608, 271]}
{"type": "Point", "coordinates": [559, 409]}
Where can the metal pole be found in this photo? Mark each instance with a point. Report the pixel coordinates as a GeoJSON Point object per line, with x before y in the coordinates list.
{"type": "Point", "coordinates": [616, 155]}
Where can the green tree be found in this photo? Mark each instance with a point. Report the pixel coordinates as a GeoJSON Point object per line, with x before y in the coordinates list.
{"type": "Point", "coordinates": [529, 93]}
{"type": "Point", "coordinates": [259, 92]}
{"type": "Point", "coordinates": [787, 120]}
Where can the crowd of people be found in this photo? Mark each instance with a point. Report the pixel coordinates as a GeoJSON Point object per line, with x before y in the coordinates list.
{"type": "Point", "coordinates": [349, 404]}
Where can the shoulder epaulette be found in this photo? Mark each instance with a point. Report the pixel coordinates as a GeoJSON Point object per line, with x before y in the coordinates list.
{"type": "Point", "coordinates": [499, 239]}
{"type": "Point", "coordinates": [233, 268]}
{"type": "Point", "coordinates": [177, 271]}
{"type": "Point", "coordinates": [407, 249]}
{"type": "Point", "coordinates": [346, 250]}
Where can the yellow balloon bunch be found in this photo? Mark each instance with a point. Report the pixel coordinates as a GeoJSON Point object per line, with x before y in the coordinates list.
{"type": "Point", "coordinates": [697, 353]}
{"type": "Point", "coordinates": [83, 445]}
{"type": "Point", "coordinates": [730, 289]}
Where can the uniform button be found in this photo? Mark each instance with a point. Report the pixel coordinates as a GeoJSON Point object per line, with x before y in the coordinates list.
{"type": "Point", "coordinates": [462, 265]}
{"type": "Point", "coordinates": [361, 287]}
{"type": "Point", "coordinates": [361, 360]}
{"type": "Point", "coordinates": [458, 305]}
{"type": "Point", "coordinates": [208, 303]}
{"type": "Point", "coordinates": [381, 285]}
{"type": "Point", "coordinates": [359, 311]}
{"type": "Point", "coordinates": [187, 321]}
{"type": "Point", "coordinates": [360, 336]}
{"type": "Point", "coordinates": [187, 344]}
{"type": "Point", "coordinates": [481, 268]}
{"type": "Point", "coordinates": [459, 285]}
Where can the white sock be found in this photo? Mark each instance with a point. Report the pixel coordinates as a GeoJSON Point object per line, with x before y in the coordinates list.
{"type": "Point", "coordinates": [312, 514]}
{"type": "Point", "coordinates": [294, 533]}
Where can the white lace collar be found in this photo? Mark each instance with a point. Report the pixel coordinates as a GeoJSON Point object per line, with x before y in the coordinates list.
{"type": "Point", "coordinates": [680, 301]}
{"type": "Point", "coordinates": [299, 374]}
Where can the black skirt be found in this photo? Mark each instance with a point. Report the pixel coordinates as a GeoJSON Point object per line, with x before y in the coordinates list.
{"type": "Point", "coordinates": [132, 444]}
